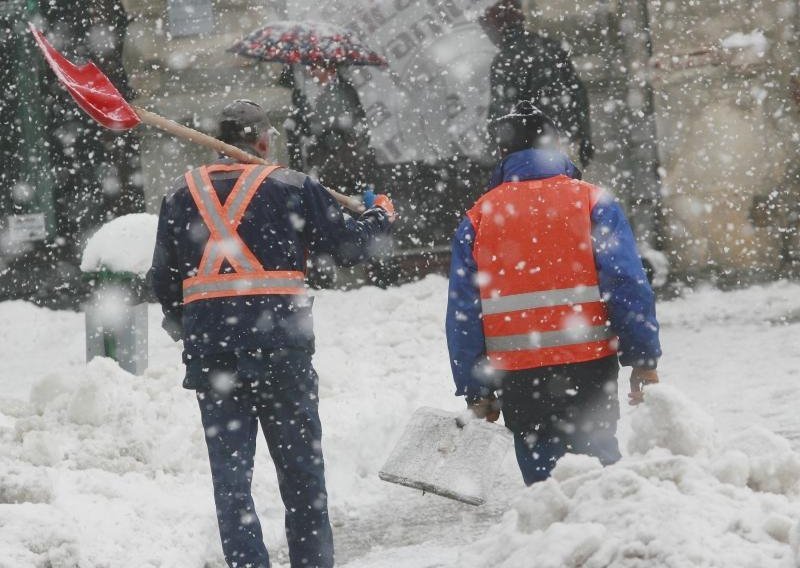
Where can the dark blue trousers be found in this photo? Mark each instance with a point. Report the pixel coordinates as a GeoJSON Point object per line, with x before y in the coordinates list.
{"type": "Point", "coordinates": [279, 391]}
{"type": "Point", "coordinates": [562, 409]}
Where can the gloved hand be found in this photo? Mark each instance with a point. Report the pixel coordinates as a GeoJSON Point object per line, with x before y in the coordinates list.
{"type": "Point", "coordinates": [639, 378]}
{"type": "Point", "coordinates": [372, 199]}
{"type": "Point", "coordinates": [382, 200]}
{"type": "Point", "coordinates": [488, 408]}
{"type": "Point", "coordinates": [369, 197]}
{"type": "Point", "coordinates": [586, 152]}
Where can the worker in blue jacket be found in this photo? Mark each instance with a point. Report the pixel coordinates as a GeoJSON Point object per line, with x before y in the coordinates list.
{"type": "Point", "coordinates": [228, 270]}
{"type": "Point", "coordinates": [547, 297]}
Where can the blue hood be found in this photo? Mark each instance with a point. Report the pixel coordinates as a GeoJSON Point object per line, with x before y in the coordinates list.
{"type": "Point", "coordinates": [533, 164]}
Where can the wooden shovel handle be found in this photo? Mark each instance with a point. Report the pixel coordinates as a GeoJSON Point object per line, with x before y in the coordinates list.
{"type": "Point", "coordinates": [192, 135]}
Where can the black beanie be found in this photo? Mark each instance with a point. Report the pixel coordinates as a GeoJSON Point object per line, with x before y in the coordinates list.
{"type": "Point", "coordinates": [524, 127]}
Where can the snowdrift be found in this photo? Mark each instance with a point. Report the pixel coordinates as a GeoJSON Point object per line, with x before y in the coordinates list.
{"type": "Point", "coordinates": [98, 464]}
{"type": "Point", "coordinates": [101, 468]}
{"type": "Point", "coordinates": [681, 499]}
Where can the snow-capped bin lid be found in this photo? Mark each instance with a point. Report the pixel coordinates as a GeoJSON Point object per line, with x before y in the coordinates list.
{"type": "Point", "coordinates": [123, 246]}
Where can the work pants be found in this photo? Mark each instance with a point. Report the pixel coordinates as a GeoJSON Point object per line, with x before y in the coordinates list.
{"type": "Point", "coordinates": [563, 408]}
{"type": "Point", "coordinates": [282, 397]}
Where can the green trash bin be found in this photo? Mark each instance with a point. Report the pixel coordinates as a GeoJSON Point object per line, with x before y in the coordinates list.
{"type": "Point", "coordinates": [116, 319]}
{"type": "Point", "coordinates": [115, 264]}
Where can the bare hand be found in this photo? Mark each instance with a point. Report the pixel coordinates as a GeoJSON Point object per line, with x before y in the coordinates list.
{"type": "Point", "coordinates": [487, 408]}
{"type": "Point", "coordinates": [639, 378]}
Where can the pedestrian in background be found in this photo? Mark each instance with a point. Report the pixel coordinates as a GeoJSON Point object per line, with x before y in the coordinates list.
{"type": "Point", "coordinates": [532, 67]}
{"type": "Point", "coordinates": [328, 137]}
{"type": "Point", "coordinates": [327, 130]}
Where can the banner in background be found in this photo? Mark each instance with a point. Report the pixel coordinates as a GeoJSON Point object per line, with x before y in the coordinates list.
{"type": "Point", "coordinates": [431, 103]}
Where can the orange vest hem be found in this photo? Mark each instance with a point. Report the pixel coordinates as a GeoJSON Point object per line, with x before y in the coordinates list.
{"type": "Point", "coordinates": [550, 356]}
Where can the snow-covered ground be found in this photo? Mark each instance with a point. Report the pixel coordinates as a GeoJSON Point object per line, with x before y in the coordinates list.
{"type": "Point", "coordinates": [101, 468]}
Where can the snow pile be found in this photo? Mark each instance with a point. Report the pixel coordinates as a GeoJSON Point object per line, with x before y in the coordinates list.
{"type": "Point", "coordinates": [110, 420]}
{"type": "Point", "coordinates": [102, 468]}
{"type": "Point", "coordinates": [100, 452]}
{"type": "Point", "coordinates": [666, 421]}
{"type": "Point", "coordinates": [659, 263]}
{"type": "Point", "coordinates": [123, 245]}
{"type": "Point", "coordinates": [685, 502]}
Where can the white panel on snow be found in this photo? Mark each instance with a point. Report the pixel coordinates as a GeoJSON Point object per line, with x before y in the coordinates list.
{"type": "Point", "coordinates": [436, 455]}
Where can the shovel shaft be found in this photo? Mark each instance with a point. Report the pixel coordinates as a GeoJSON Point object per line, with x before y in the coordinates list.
{"type": "Point", "coordinates": [192, 135]}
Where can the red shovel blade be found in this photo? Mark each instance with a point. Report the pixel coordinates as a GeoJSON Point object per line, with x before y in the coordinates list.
{"type": "Point", "coordinates": [90, 88]}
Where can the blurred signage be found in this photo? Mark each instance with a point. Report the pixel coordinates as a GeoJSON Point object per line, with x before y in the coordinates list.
{"type": "Point", "coordinates": [25, 228]}
{"type": "Point", "coordinates": [8, 7]}
{"type": "Point", "coordinates": [432, 102]}
{"type": "Point", "coordinates": [190, 17]}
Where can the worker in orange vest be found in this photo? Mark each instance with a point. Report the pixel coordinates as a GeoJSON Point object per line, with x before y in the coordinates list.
{"type": "Point", "coordinates": [547, 297]}
{"type": "Point", "coordinates": [228, 270]}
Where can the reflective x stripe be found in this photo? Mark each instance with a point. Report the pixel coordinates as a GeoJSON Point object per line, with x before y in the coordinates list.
{"type": "Point", "coordinates": [544, 299]}
{"type": "Point", "coordinates": [242, 283]}
{"type": "Point", "coordinates": [234, 205]}
{"type": "Point", "coordinates": [249, 276]}
{"type": "Point", "coordinates": [234, 210]}
{"type": "Point", "coordinates": [223, 240]}
{"type": "Point", "coordinates": [541, 340]}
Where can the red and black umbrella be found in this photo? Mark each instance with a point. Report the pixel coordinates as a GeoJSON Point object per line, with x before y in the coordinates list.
{"type": "Point", "coordinates": [316, 44]}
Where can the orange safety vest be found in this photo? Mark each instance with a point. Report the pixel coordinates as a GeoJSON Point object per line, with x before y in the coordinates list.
{"type": "Point", "coordinates": [538, 282]}
{"type": "Point", "coordinates": [249, 277]}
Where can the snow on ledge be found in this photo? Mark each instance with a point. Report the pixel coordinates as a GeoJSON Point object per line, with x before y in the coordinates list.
{"type": "Point", "coordinates": [756, 41]}
{"type": "Point", "coordinates": [124, 244]}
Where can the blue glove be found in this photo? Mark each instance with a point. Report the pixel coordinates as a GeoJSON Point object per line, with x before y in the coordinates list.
{"type": "Point", "coordinates": [369, 197]}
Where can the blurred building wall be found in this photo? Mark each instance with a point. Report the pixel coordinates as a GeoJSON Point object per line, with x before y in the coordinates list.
{"type": "Point", "coordinates": [718, 124]}
{"type": "Point", "coordinates": [190, 78]}
{"type": "Point", "coordinates": [725, 123]}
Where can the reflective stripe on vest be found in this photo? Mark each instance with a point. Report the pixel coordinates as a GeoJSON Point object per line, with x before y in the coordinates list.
{"type": "Point", "coordinates": [546, 299]}
{"type": "Point", "coordinates": [224, 243]}
{"type": "Point", "coordinates": [542, 340]}
{"type": "Point", "coordinates": [231, 285]}
{"type": "Point", "coordinates": [540, 300]}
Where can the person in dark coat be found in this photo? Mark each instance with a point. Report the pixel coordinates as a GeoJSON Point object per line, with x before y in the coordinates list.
{"type": "Point", "coordinates": [535, 68]}
{"type": "Point", "coordinates": [227, 269]}
{"type": "Point", "coordinates": [327, 131]}
{"type": "Point", "coordinates": [328, 137]}
{"type": "Point", "coordinates": [547, 297]}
